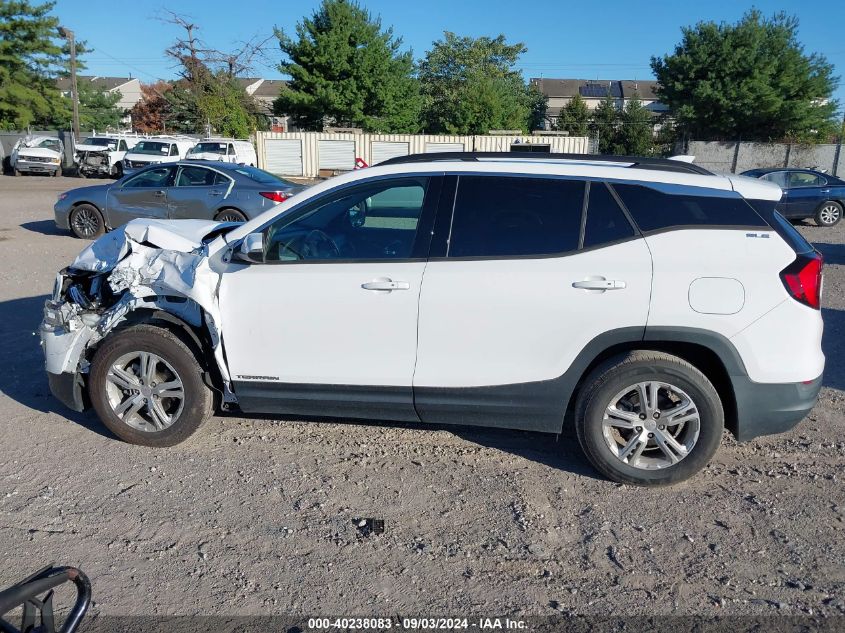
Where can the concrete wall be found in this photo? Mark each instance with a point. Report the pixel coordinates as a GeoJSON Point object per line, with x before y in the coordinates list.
{"type": "Point", "coordinates": [736, 157]}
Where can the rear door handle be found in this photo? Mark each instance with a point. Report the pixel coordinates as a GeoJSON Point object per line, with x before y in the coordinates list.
{"type": "Point", "coordinates": [825, 190]}
{"type": "Point", "coordinates": [215, 193]}
{"type": "Point", "coordinates": [385, 285]}
{"type": "Point", "coordinates": [159, 194]}
{"type": "Point", "coordinates": [599, 284]}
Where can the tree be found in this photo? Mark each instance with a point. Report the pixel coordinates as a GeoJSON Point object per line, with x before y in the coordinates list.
{"type": "Point", "coordinates": [470, 86]}
{"type": "Point", "coordinates": [749, 80]}
{"type": "Point", "coordinates": [208, 93]}
{"type": "Point", "coordinates": [30, 57]}
{"type": "Point", "coordinates": [574, 117]}
{"type": "Point", "coordinates": [346, 70]}
{"type": "Point", "coordinates": [605, 124]}
{"type": "Point", "coordinates": [97, 108]}
{"type": "Point", "coordinates": [636, 132]}
{"type": "Point", "coordinates": [150, 114]}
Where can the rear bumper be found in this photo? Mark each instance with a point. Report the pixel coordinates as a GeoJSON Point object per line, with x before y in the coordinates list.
{"type": "Point", "coordinates": [769, 408]}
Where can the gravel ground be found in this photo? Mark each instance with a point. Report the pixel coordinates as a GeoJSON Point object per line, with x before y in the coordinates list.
{"type": "Point", "coordinates": [257, 516]}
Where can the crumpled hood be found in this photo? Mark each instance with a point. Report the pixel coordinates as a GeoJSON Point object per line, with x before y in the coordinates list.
{"type": "Point", "coordinates": [182, 236]}
{"type": "Point", "coordinates": [37, 151]}
{"type": "Point", "coordinates": [94, 148]}
{"type": "Point", "coordinates": [205, 156]}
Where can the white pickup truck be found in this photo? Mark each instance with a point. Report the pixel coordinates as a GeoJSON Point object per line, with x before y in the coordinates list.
{"type": "Point", "coordinates": [37, 155]}
{"type": "Point", "coordinates": [103, 155]}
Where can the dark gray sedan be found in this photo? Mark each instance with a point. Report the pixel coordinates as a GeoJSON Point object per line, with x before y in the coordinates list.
{"type": "Point", "coordinates": [188, 189]}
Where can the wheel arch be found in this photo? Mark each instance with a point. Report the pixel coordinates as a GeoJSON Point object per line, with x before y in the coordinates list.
{"type": "Point", "coordinates": [709, 352]}
{"type": "Point", "coordinates": [195, 337]}
{"type": "Point", "coordinates": [230, 207]}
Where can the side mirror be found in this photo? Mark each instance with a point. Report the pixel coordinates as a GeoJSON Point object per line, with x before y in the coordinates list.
{"type": "Point", "coordinates": [251, 249]}
{"type": "Point", "coordinates": [357, 215]}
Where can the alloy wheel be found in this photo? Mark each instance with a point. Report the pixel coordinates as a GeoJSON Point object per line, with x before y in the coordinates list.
{"type": "Point", "coordinates": [651, 425]}
{"type": "Point", "coordinates": [829, 214]}
{"type": "Point", "coordinates": [85, 222]}
{"type": "Point", "coordinates": [144, 391]}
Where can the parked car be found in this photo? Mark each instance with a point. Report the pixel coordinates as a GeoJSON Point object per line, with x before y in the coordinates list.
{"type": "Point", "coordinates": [155, 151]}
{"type": "Point", "coordinates": [37, 155]}
{"type": "Point", "coordinates": [806, 193]}
{"type": "Point", "coordinates": [205, 190]}
{"type": "Point", "coordinates": [632, 305]}
{"type": "Point", "coordinates": [224, 149]}
{"type": "Point", "coordinates": [103, 155]}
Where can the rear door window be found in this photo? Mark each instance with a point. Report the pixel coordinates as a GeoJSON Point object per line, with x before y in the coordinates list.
{"type": "Point", "coordinates": [605, 220]}
{"type": "Point", "coordinates": [655, 210]}
{"type": "Point", "coordinates": [497, 216]}
{"type": "Point", "coordinates": [799, 179]}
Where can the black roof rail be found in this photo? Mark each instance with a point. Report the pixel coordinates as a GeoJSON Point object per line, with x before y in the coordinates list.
{"type": "Point", "coordinates": [640, 162]}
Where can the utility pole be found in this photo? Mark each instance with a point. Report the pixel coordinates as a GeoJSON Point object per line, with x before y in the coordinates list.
{"type": "Point", "coordinates": [74, 94]}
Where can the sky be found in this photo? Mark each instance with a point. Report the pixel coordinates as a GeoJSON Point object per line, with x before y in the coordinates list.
{"type": "Point", "coordinates": [594, 39]}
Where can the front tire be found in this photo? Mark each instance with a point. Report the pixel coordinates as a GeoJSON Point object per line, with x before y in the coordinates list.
{"type": "Point", "coordinates": [147, 387]}
{"type": "Point", "coordinates": [648, 419]}
{"type": "Point", "coordinates": [829, 213]}
{"type": "Point", "coordinates": [87, 222]}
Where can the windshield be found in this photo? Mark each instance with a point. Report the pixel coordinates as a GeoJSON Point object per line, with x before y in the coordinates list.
{"type": "Point", "coordinates": [259, 175]}
{"type": "Point", "coordinates": [211, 148]}
{"type": "Point", "coordinates": [151, 147]}
{"type": "Point", "coordinates": [99, 140]}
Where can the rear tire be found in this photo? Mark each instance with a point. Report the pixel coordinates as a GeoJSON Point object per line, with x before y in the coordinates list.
{"type": "Point", "coordinates": [829, 213]}
{"type": "Point", "coordinates": [87, 222]}
{"type": "Point", "coordinates": [230, 215]}
{"type": "Point", "coordinates": [666, 441]}
{"type": "Point", "coordinates": [128, 392]}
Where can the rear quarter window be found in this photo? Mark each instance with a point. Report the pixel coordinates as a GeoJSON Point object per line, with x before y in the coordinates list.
{"type": "Point", "coordinates": [655, 210]}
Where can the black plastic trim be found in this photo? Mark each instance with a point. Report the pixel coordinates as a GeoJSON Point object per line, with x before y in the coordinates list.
{"type": "Point", "coordinates": [638, 162]}
{"type": "Point", "coordinates": [769, 408]}
{"type": "Point", "coordinates": [341, 401]}
{"type": "Point", "coordinates": [67, 388]}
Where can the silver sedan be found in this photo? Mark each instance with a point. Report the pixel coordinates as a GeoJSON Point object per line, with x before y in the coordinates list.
{"type": "Point", "coordinates": [204, 190]}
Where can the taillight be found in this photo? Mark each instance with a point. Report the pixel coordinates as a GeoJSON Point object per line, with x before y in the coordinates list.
{"type": "Point", "coordinates": [803, 279]}
{"type": "Point", "coordinates": [276, 196]}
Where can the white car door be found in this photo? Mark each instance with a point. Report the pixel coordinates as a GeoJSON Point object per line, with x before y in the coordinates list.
{"type": "Point", "coordinates": [327, 325]}
{"type": "Point", "coordinates": [530, 281]}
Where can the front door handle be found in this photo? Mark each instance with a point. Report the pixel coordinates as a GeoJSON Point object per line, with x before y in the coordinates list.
{"type": "Point", "coordinates": [385, 284]}
{"type": "Point", "coordinates": [159, 194]}
{"type": "Point", "coordinates": [599, 284]}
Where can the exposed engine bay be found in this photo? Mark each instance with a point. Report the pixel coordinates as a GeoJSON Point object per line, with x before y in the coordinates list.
{"type": "Point", "coordinates": [147, 267]}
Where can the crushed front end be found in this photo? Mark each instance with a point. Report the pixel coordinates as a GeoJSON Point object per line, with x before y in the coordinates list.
{"type": "Point", "coordinates": [94, 162]}
{"type": "Point", "coordinates": [146, 267]}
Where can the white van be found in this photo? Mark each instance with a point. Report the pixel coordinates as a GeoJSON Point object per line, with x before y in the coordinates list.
{"type": "Point", "coordinates": [155, 150]}
{"type": "Point", "coordinates": [228, 150]}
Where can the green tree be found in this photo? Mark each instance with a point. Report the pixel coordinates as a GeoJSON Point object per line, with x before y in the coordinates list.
{"type": "Point", "coordinates": [749, 80]}
{"type": "Point", "coordinates": [574, 117]}
{"type": "Point", "coordinates": [97, 108]}
{"type": "Point", "coordinates": [470, 86]}
{"type": "Point", "coordinates": [216, 100]}
{"type": "Point", "coordinates": [636, 130]}
{"type": "Point", "coordinates": [604, 124]}
{"type": "Point", "coordinates": [346, 70]}
{"type": "Point", "coordinates": [30, 58]}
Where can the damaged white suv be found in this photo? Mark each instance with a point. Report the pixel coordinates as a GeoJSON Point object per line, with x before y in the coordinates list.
{"type": "Point", "coordinates": [633, 303]}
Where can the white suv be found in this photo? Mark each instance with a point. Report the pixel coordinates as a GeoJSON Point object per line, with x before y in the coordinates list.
{"type": "Point", "coordinates": [645, 302]}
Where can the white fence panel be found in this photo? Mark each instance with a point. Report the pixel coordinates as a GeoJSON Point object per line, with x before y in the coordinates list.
{"type": "Point", "coordinates": [434, 146]}
{"type": "Point", "coordinates": [338, 151]}
{"type": "Point", "coordinates": [283, 156]}
{"type": "Point", "coordinates": [336, 154]}
{"type": "Point", "coordinates": [384, 150]}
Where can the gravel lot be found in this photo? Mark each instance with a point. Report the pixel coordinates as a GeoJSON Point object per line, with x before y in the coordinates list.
{"type": "Point", "coordinates": [256, 516]}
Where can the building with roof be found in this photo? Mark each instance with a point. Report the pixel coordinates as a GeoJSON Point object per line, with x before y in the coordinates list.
{"type": "Point", "coordinates": [559, 92]}
{"type": "Point", "coordinates": [265, 92]}
{"type": "Point", "coordinates": [128, 87]}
